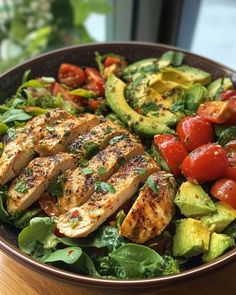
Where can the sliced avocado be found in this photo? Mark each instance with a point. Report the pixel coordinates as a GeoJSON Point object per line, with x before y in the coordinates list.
{"type": "Point", "coordinates": [191, 238]}
{"type": "Point", "coordinates": [140, 124]}
{"type": "Point", "coordinates": [219, 243]}
{"type": "Point", "coordinates": [220, 219]}
{"type": "Point", "coordinates": [216, 87]}
{"type": "Point", "coordinates": [192, 200]}
{"type": "Point", "coordinates": [194, 96]}
{"type": "Point", "coordinates": [192, 74]}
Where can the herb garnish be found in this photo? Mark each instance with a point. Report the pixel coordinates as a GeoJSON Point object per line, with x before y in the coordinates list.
{"type": "Point", "coordinates": [101, 170]}
{"type": "Point", "coordinates": [140, 171]}
{"type": "Point", "coordinates": [50, 129]}
{"type": "Point", "coordinates": [21, 187]}
{"type": "Point", "coordinates": [104, 187]}
{"type": "Point", "coordinates": [117, 138]}
{"type": "Point", "coordinates": [87, 171]}
{"type": "Point", "coordinates": [152, 184]}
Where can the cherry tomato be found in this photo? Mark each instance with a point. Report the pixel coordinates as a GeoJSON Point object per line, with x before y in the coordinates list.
{"type": "Point", "coordinates": [194, 131]}
{"type": "Point", "coordinates": [94, 103]}
{"type": "Point", "coordinates": [231, 173]}
{"type": "Point", "coordinates": [230, 149]}
{"type": "Point", "coordinates": [172, 150]}
{"type": "Point", "coordinates": [225, 190]}
{"type": "Point", "coordinates": [94, 81]}
{"type": "Point", "coordinates": [64, 92]}
{"type": "Point", "coordinates": [49, 204]}
{"type": "Point", "coordinates": [110, 60]}
{"type": "Point", "coordinates": [71, 75]}
{"type": "Point", "coordinates": [208, 162]}
{"type": "Point", "coordinates": [227, 94]}
{"type": "Point", "coordinates": [215, 111]}
{"type": "Point", "coordinates": [230, 96]}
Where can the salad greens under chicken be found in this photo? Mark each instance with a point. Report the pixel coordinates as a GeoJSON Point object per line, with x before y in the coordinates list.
{"type": "Point", "coordinates": [124, 171]}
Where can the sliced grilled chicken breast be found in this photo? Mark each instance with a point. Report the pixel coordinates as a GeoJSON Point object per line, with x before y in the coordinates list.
{"type": "Point", "coordinates": [96, 139]}
{"type": "Point", "coordinates": [81, 221]}
{"type": "Point", "coordinates": [34, 179]}
{"type": "Point", "coordinates": [152, 211]}
{"type": "Point", "coordinates": [55, 137]}
{"type": "Point", "coordinates": [80, 182]}
{"type": "Point", "coordinates": [19, 152]}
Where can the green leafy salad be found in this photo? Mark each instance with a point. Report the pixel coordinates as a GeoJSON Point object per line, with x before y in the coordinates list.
{"type": "Point", "coordinates": [123, 171]}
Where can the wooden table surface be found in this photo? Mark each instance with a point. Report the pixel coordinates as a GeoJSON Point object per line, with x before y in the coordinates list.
{"type": "Point", "coordinates": [16, 279]}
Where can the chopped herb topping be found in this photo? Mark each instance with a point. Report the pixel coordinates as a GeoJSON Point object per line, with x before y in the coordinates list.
{"type": "Point", "coordinates": [117, 138]}
{"type": "Point", "coordinates": [140, 171]}
{"type": "Point", "coordinates": [108, 129]}
{"type": "Point", "coordinates": [87, 171]}
{"type": "Point", "coordinates": [104, 187]}
{"type": "Point", "coordinates": [152, 184]}
{"type": "Point", "coordinates": [21, 187]}
{"type": "Point", "coordinates": [56, 187]}
{"type": "Point", "coordinates": [149, 107]}
{"type": "Point", "coordinates": [122, 161]}
{"type": "Point", "coordinates": [102, 170]}
{"type": "Point", "coordinates": [91, 149]}
{"type": "Point", "coordinates": [50, 129]}
{"type": "Point", "coordinates": [11, 133]}
{"type": "Point", "coordinates": [83, 162]}
{"type": "Point", "coordinates": [28, 171]}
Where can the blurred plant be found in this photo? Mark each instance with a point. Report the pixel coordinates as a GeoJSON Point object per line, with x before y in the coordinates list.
{"type": "Point", "coordinates": [28, 27]}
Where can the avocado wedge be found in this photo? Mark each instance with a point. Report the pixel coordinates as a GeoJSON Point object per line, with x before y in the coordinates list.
{"type": "Point", "coordinates": [115, 95]}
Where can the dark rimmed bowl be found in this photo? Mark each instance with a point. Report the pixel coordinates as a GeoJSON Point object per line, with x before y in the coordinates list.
{"type": "Point", "coordinates": [47, 65]}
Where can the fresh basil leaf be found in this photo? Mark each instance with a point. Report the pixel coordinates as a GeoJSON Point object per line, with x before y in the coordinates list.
{"type": "Point", "coordinates": [101, 170]}
{"type": "Point", "coordinates": [227, 135]}
{"type": "Point", "coordinates": [83, 92]}
{"type": "Point", "coordinates": [39, 234]}
{"type": "Point", "coordinates": [15, 115]}
{"type": "Point", "coordinates": [104, 187]}
{"type": "Point", "coordinates": [152, 184]}
{"type": "Point", "coordinates": [21, 187]}
{"type": "Point", "coordinates": [68, 255]}
{"type": "Point", "coordinates": [87, 171]}
{"type": "Point", "coordinates": [138, 261]}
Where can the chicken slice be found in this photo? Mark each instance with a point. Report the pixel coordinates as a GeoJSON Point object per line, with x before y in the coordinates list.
{"type": "Point", "coordinates": [55, 137]}
{"type": "Point", "coordinates": [96, 139]}
{"type": "Point", "coordinates": [152, 211]}
{"type": "Point", "coordinates": [80, 182]}
{"type": "Point", "coordinates": [19, 152]}
{"type": "Point", "coordinates": [109, 196]}
{"type": "Point", "coordinates": [34, 179]}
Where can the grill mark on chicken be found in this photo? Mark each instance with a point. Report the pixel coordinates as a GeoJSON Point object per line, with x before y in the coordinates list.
{"type": "Point", "coordinates": [151, 212]}
{"type": "Point", "coordinates": [79, 187]}
{"type": "Point", "coordinates": [81, 221]}
{"type": "Point", "coordinates": [19, 152]}
{"type": "Point", "coordinates": [57, 136]}
{"type": "Point", "coordinates": [35, 179]}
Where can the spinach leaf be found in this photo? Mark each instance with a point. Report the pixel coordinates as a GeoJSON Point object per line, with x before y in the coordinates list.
{"type": "Point", "coordinates": [68, 255]}
{"type": "Point", "coordinates": [109, 268]}
{"type": "Point", "coordinates": [227, 135]}
{"type": "Point", "coordinates": [152, 184]}
{"type": "Point", "coordinates": [84, 265]}
{"type": "Point", "coordinates": [138, 261]}
{"type": "Point", "coordinates": [3, 128]}
{"type": "Point", "coordinates": [4, 216]}
{"type": "Point", "coordinates": [15, 115]}
{"type": "Point", "coordinates": [24, 220]}
{"type": "Point", "coordinates": [31, 83]}
{"type": "Point", "coordinates": [38, 236]}
{"type": "Point", "coordinates": [104, 187]}
{"type": "Point", "coordinates": [231, 230]}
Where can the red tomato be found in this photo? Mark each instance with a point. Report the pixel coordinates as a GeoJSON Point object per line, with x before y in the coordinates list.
{"type": "Point", "coordinates": [74, 99]}
{"type": "Point", "coordinates": [230, 96]}
{"type": "Point", "coordinates": [208, 162]}
{"type": "Point", "coordinates": [194, 131]}
{"type": "Point", "coordinates": [225, 190]}
{"type": "Point", "coordinates": [94, 81]}
{"type": "Point", "coordinates": [230, 149]}
{"type": "Point", "coordinates": [94, 103]}
{"type": "Point", "coordinates": [231, 173]}
{"type": "Point", "coordinates": [227, 94]}
{"type": "Point", "coordinates": [172, 150]}
{"type": "Point", "coordinates": [71, 75]}
{"type": "Point", "coordinates": [110, 60]}
{"type": "Point", "coordinates": [49, 204]}
{"type": "Point", "coordinates": [215, 111]}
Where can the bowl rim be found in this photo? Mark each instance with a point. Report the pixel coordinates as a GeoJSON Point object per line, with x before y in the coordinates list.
{"type": "Point", "coordinates": [81, 280]}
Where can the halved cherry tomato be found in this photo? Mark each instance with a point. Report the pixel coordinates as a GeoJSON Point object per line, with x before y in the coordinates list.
{"type": "Point", "coordinates": [172, 150]}
{"type": "Point", "coordinates": [94, 81]}
{"type": "Point", "coordinates": [231, 173]}
{"type": "Point", "coordinates": [71, 75]}
{"type": "Point", "coordinates": [49, 204]}
{"type": "Point", "coordinates": [94, 103]}
{"type": "Point", "coordinates": [110, 60]}
{"type": "Point", "coordinates": [230, 96]}
{"type": "Point", "coordinates": [215, 111]}
{"type": "Point", "coordinates": [208, 162]}
{"type": "Point", "coordinates": [194, 131]}
{"type": "Point", "coordinates": [225, 190]}
{"type": "Point", "coordinates": [230, 149]}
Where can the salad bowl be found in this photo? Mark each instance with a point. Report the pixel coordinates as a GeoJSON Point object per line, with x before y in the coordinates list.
{"type": "Point", "coordinates": [47, 65]}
